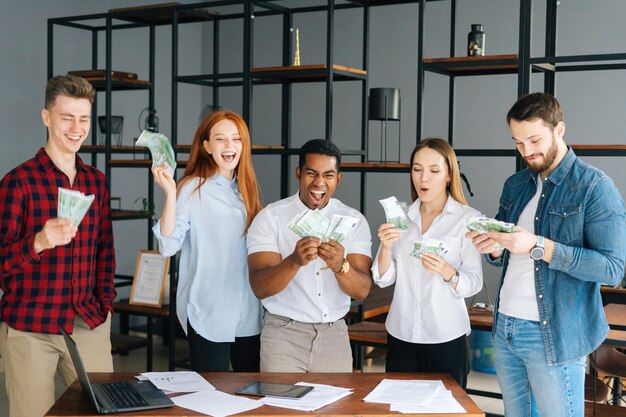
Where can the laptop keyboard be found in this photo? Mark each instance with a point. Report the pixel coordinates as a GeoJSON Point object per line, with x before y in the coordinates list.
{"type": "Point", "coordinates": [123, 395]}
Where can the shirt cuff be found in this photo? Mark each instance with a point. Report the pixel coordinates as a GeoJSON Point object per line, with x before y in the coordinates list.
{"type": "Point", "coordinates": [562, 256]}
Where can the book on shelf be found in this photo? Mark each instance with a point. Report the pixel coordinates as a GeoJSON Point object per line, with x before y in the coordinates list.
{"type": "Point", "coordinates": [101, 74]}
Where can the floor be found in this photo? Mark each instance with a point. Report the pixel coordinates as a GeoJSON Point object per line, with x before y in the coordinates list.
{"type": "Point", "coordinates": [135, 361]}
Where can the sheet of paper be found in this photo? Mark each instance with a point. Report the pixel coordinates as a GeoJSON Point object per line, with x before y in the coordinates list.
{"type": "Point", "coordinates": [321, 396]}
{"type": "Point", "coordinates": [404, 392]}
{"type": "Point", "coordinates": [216, 403]}
{"type": "Point", "coordinates": [178, 381]}
{"type": "Point", "coordinates": [442, 403]}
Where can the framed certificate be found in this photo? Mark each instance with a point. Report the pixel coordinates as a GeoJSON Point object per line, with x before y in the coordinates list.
{"type": "Point", "coordinates": [149, 280]}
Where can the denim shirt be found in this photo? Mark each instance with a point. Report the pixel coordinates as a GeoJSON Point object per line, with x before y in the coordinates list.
{"type": "Point", "coordinates": [582, 211]}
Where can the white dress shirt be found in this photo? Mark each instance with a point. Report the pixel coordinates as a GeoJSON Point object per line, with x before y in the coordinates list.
{"type": "Point", "coordinates": [313, 295]}
{"type": "Point", "coordinates": [426, 309]}
{"type": "Point", "coordinates": [214, 291]}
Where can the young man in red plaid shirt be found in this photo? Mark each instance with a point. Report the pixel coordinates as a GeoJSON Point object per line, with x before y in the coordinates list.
{"type": "Point", "coordinates": [54, 275]}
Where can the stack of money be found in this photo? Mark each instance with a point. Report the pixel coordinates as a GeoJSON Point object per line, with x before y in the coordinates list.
{"type": "Point", "coordinates": [160, 148]}
{"type": "Point", "coordinates": [486, 224]}
{"type": "Point", "coordinates": [313, 223]}
{"type": "Point", "coordinates": [73, 205]}
{"type": "Point", "coordinates": [394, 213]}
{"type": "Point", "coordinates": [428, 246]}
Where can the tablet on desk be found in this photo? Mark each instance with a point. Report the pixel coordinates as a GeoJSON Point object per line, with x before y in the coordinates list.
{"type": "Point", "coordinates": [271, 389]}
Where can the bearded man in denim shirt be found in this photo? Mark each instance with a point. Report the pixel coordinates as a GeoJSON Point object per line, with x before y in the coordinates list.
{"type": "Point", "coordinates": [570, 237]}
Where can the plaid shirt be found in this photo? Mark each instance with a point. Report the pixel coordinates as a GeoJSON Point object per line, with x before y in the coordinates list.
{"type": "Point", "coordinates": [44, 291]}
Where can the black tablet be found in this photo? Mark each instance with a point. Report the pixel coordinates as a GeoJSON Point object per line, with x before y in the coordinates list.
{"type": "Point", "coordinates": [271, 389]}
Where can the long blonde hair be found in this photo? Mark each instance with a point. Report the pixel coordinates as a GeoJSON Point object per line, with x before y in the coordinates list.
{"type": "Point", "coordinates": [445, 150]}
{"type": "Point", "coordinates": [202, 165]}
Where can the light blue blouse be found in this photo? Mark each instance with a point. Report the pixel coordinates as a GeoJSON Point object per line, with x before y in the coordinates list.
{"type": "Point", "coordinates": [213, 291]}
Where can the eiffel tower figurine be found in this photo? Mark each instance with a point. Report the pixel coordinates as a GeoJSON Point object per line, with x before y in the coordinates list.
{"type": "Point", "coordinates": [296, 58]}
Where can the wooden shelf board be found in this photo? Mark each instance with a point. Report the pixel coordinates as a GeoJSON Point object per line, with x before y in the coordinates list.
{"type": "Point", "coordinates": [491, 64]}
{"type": "Point", "coordinates": [128, 214]}
{"type": "Point", "coordinates": [307, 73]}
{"type": "Point", "coordinates": [99, 83]}
{"type": "Point", "coordinates": [114, 149]}
{"type": "Point", "coordinates": [600, 147]}
{"type": "Point", "coordinates": [161, 14]}
{"type": "Point", "coordinates": [125, 307]}
{"type": "Point", "coordinates": [374, 167]}
{"type": "Point", "coordinates": [187, 148]}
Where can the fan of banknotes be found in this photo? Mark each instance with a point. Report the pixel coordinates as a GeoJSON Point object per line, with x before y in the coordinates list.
{"type": "Point", "coordinates": [160, 148]}
{"type": "Point", "coordinates": [394, 213]}
{"type": "Point", "coordinates": [485, 224]}
{"type": "Point", "coordinates": [428, 246]}
{"type": "Point", "coordinates": [73, 205]}
{"type": "Point", "coordinates": [314, 223]}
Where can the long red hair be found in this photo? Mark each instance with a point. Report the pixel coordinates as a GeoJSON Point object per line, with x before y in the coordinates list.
{"type": "Point", "coordinates": [202, 165]}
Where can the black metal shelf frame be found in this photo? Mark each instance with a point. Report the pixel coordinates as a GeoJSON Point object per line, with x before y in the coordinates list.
{"type": "Point", "coordinates": [521, 64]}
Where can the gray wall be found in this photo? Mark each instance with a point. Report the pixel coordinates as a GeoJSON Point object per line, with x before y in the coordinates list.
{"type": "Point", "coordinates": [593, 101]}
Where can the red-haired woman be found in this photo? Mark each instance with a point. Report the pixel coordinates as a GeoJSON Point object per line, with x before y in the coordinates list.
{"type": "Point", "coordinates": [207, 218]}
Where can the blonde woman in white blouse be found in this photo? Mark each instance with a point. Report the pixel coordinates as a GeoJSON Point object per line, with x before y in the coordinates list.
{"type": "Point", "coordinates": [428, 323]}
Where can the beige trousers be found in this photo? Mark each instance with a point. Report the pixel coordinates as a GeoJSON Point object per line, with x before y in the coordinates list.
{"type": "Point", "coordinates": [31, 361]}
{"type": "Point", "coordinates": [292, 346]}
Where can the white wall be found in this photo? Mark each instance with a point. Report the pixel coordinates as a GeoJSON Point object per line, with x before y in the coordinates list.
{"type": "Point", "coordinates": [593, 101]}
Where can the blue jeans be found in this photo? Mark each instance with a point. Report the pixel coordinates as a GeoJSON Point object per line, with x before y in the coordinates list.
{"type": "Point", "coordinates": [530, 387]}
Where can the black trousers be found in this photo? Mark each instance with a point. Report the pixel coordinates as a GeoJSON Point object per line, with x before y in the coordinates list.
{"type": "Point", "coordinates": [207, 356]}
{"type": "Point", "coordinates": [450, 357]}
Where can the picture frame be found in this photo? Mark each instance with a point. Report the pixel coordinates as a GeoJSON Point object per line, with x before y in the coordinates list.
{"type": "Point", "coordinates": [151, 272]}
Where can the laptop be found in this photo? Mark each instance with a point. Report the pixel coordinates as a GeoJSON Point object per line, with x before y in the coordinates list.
{"type": "Point", "coordinates": [115, 397]}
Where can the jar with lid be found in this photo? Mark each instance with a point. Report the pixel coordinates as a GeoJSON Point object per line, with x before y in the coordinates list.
{"type": "Point", "coordinates": [476, 41]}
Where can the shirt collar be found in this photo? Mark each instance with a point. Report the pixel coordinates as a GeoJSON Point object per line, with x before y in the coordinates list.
{"type": "Point", "coordinates": [48, 164]}
{"type": "Point", "coordinates": [560, 172]}
{"type": "Point", "coordinates": [452, 206]}
{"type": "Point", "coordinates": [225, 182]}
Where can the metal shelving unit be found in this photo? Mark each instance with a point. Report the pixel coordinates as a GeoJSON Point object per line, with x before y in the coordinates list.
{"type": "Point", "coordinates": [521, 64]}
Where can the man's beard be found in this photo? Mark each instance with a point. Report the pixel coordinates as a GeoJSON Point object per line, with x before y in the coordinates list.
{"type": "Point", "coordinates": [548, 159]}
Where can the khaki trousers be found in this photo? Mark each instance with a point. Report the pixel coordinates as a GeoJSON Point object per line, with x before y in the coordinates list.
{"type": "Point", "coordinates": [31, 361]}
{"type": "Point", "coordinates": [292, 346]}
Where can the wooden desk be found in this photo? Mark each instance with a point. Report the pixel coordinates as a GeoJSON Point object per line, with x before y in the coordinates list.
{"type": "Point", "coordinates": [616, 316]}
{"type": "Point", "coordinates": [74, 403]}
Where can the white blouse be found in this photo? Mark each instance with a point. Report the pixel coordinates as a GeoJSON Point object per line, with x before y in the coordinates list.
{"type": "Point", "coordinates": [426, 309]}
{"type": "Point", "coordinates": [214, 291]}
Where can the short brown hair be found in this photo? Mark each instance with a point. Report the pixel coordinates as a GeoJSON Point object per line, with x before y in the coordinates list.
{"type": "Point", "coordinates": [70, 86]}
{"type": "Point", "coordinates": [536, 106]}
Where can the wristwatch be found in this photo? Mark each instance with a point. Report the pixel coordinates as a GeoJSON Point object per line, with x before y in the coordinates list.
{"type": "Point", "coordinates": [538, 250]}
{"type": "Point", "coordinates": [345, 267]}
{"type": "Point", "coordinates": [453, 279]}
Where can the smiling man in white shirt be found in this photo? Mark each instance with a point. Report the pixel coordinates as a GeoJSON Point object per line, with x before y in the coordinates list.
{"type": "Point", "coordinates": [305, 285]}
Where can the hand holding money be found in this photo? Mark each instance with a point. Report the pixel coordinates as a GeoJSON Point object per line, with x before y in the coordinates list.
{"type": "Point", "coordinates": [485, 224]}
{"type": "Point", "coordinates": [388, 233]}
{"type": "Point", "coordinates": [332, 253]}
{"type": "Point", "coordinates": [55, 232]}
{"type": "Point", "coordinates": [73, 205]}
{"type": "Point", "coordinates": [306, 250]}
